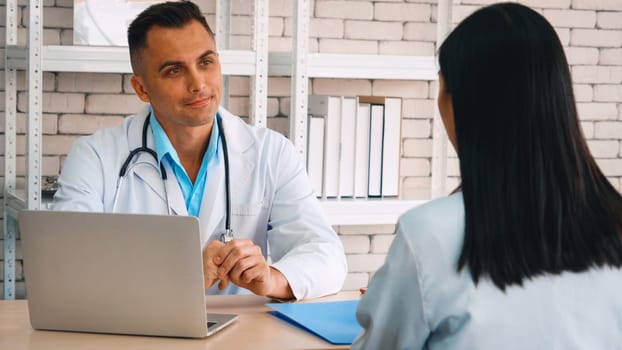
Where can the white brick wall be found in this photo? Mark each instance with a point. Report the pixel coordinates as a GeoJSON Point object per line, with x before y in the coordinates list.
{"type": "Point", "coordinates": [89, 82]}
{"type": "Point", "coordinates": [608, 92]}
{"type": "Point", "coordinates": [608, 5]}
{"type": "Point", "coordinates": [596, 38]}
{"type": "Point", "coordinates": [416, 128]}
{"type": "Point", "coordinates": [583, 92]}
{"type": "Point", "coordinates": [356, 244]}
{"type": "Point", "coordinates": [597, 111]}
{"type": "Point", "coordinates": [344, 9]}
{"type": "Point", "coordinates": [604, 148]}
{"type": "Point", "coordinates": [597, 74]}
{"type": "Point", "coordinates": [417, 148]}
{"type": "Point", "coordinates": [85, 124]}
{"type": "Point", "coordinates": [570, 18]}
{"type": "Point", "coordinates": [348, 46]}
{"type": "Point", "coordinates": [400, 88]}
{"type": "Point", "coordinates": [582, 55]}
{"type": "Point", "coordinates": [111, 104]}
{"type": "Point", "coordinates": [380, 243]}
{"type": "Point", "coordinates": [608, 130]}
{"type": "Point", "coordinates": [418, 108]}
{"type": "Point", "coordinates": [372, 30]}
{"type": "Point", "coordinates": [402, 12]}
{"type": "Point", "coordinates": [609, 20]}
{"type": "Point", "coordinates": [347, 87]}
{"type": "Point", "coordinates": [590, 30]}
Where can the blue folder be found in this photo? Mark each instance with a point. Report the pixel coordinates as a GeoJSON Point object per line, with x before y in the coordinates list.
{"type": "Point", "coordinates": [334, 322]}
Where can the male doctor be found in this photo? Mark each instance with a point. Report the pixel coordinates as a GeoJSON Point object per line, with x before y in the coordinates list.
{"type": "Point", "coordinates": [177, 72]}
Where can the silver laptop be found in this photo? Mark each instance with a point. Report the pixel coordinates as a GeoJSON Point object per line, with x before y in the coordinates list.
{"type": "Point", "coordinates": [116, 273]}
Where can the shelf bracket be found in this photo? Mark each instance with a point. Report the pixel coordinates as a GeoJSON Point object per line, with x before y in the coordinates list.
{"type": "Point", "coordinates": [223, 29]}
{"type": "Point", "coordinates": [10, 141]}
{"type": "Point", "coordinates": [259, 82]}
{"type": "Point", "coordinates": [300, 81]}
{"type": "Point", "coordinates": [439, 137]}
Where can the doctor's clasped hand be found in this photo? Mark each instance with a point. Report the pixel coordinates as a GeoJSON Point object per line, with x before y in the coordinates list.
{"type": "Point", "coordinates": [242, 263]}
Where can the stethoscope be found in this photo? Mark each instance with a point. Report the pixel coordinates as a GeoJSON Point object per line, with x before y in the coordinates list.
{"type": "Point", "coordinates": [227, 235]}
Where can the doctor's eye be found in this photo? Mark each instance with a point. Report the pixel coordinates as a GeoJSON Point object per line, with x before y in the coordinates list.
{"type": "Point", "coordinates": [173, 71]}
{"type": "Point", "coordinates": [206, 61]}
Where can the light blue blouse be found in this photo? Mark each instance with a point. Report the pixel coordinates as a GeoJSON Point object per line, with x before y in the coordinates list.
{"type": "Point", "coordinates": [417, 300]}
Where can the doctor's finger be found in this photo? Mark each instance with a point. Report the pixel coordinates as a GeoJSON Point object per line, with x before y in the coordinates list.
{"type": "Point", "coordinates": [227, 248]}
{"type": "Point", "coordinates": [249, 266]}
{"type": "Point", "coordinates": [224, 282]}
{"type": "Point", "coordinates": [255, 275]}
{"type": "Point", "coordinates": [212, 249]}
{"type": "Point", "coordinates": [209, 252]}
{"type": "Point", "coordinates": [209, 282]}
{"type": "Point", "coordinates": [235, 255]}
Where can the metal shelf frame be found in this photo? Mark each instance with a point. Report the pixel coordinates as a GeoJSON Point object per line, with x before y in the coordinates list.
{"type": "Point", "coordinates": [257, 63]}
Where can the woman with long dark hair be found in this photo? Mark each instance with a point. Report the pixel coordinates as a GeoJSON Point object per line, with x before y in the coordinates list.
{"type": "Point", "coordinates": [528, 253]}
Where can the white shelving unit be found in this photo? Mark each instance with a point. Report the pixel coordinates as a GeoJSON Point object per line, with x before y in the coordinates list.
{"type": "Point", "coordinates": [257, 63]}
{"type": "Point", "coordinates": [304, 65]}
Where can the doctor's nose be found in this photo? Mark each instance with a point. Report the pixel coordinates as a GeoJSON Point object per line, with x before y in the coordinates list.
{"type": "Point", "coordinates": [196, 82]}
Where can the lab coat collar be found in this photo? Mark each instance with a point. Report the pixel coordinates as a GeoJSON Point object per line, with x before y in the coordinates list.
{"type": "Point", "coordinates": [241, 164]}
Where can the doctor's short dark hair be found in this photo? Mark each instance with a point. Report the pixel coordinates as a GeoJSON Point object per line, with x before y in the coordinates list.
{"type": "Point", "coordinates": [535, 200]}
{"type": "Point", "coordinates": [170, 14]}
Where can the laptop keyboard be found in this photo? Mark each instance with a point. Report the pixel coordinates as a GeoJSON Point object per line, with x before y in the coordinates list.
{"type": "Point", "coordinates": [209, 324]}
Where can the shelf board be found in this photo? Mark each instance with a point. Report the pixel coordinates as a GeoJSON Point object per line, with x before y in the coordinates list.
{"type": "Point", "coordinates": [353, 66]}
{"type": "Point", "coordinates": [367, 211]}
{"type": "Point", "coordinates": [339, 212]}
{"type": "Point", "coordinates": [15, 202]}
{"type": "Point", "coordinates": [109, 59]}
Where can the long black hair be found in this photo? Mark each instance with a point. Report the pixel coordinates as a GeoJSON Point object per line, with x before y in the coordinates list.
{"type": "Point", "coordinates": [535, 200]}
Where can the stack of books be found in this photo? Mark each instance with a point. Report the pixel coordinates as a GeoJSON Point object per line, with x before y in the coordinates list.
{"type": "Point", "coordinates": [353, 148]}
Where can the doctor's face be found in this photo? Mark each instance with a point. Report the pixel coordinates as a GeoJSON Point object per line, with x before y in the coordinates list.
{"type": "Point", "coordinates": [180, 76]}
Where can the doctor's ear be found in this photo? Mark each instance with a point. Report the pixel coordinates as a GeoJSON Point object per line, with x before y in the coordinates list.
{"type": "Point", "coordinates": [139, 87]}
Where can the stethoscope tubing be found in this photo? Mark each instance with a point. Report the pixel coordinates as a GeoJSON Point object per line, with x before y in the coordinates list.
{"type": "Point", "coordinates": [125, 167]}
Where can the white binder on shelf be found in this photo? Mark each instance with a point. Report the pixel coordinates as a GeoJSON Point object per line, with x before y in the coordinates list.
{"type": "Point", "coordinates": [315, 154]}
{"type": "Point", "coordinates": [391, 147]}
{"type": "Point", "coordinates": [361, 150]}
{"type": "Point", "coordinates": [385, 128]}
{"type": "Point", "coordinates": [329, 107]}
{"type": "Point", "coordinates": [376, 133]}
{"type": "Point", "coordinates": [347, 146]}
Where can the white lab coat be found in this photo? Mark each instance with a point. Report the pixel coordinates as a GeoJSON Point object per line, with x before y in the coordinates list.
{"type": "Point", "coordinates": [272, 202]}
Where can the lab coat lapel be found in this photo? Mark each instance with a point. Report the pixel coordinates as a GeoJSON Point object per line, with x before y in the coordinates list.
{"type": "Point", "coordinates": [212, 214]}
{"type": "Point", "coordinates": [149, 173]}
{"type": "Point", "coordinates": [241, 166]}
{"type": "Point", "coordinates": [175, 196]}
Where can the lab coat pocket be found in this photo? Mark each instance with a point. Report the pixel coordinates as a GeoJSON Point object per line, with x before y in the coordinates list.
{"type": "Point", "coordinates": [250, 220]}
{"type": "Point", "coordinates": [247, 209]}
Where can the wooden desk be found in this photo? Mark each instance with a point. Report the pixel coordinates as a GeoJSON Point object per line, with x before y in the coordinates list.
{"type": "Point", "coordinates": [255, 329]}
